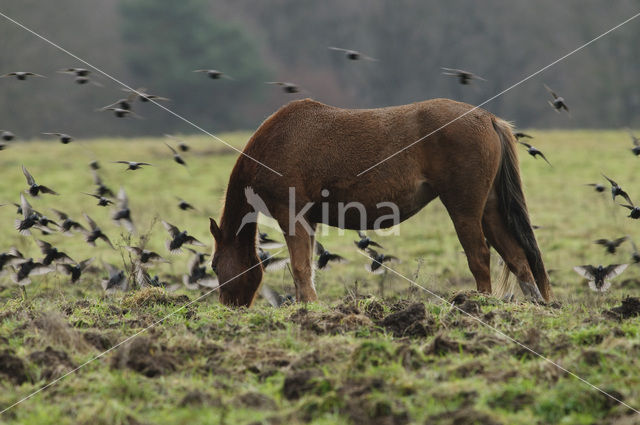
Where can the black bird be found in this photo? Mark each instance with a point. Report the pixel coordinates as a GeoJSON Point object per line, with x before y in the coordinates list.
{"type": "Point", "coordinates": [117, 280]}
{"type": "Point", "coordinates": [176, 156]}
{"type": "Point", "coordinates": [94, 165]}
{"type": "Point", "coordinates": [101, 190]}
{"type": "Point", "coordinates": [44, 222]}
{"type": "Point", "coordinates": [635, 255]}
{"type": "Point", "coordinates": [10, 258]}
{"type": "Point", "coordinates": [29, 268]}
{"type": "Point", "coordinates": [34, 188]}
{"type": "Point", "coordinates": [324, 256]}
{"type": "Point", "coordinates": [52, 254]}
{"type": "Point", "coordinates": [464, 77]}
{"type": "Point", "coordinates": [75, 270]}
{"type": "Point", "coordinates": [635, 211]}
{"type": "Point", "coordinates": [30, 217]}
{"type": "Point", "coordinates": [85, 80]}
{"type": "Point", "coordinates": [121, 113]}
{"type": "Point", "coordinates": [353, 55]}
{"type": "Point", "coordinates": [181, 144]}
{"type": "Point", "coordinates": [198, 276]}
{"type": "Point", "coordinates": [274, 298]}
{"type": "Point", "coordinates": [67, 223]}
{"type": "Point", "coordinates": [64, 138]}
{"type": "Point", "coordinates": [271, 263]}
{"type": "Point", "coordinates": [142, 95]}
{"type": "Point", "coordinates": [616, 190]}
{"type": "Point", "coordinates": [365, 241]}
{"type": "Point", "coordinates": [6, 135]}
{"type": "Point", "coordinates": [636, 144]}
{"type": "Point", "coordinates": [214, 74]}
{"type": "Point", "coordinates": [123, 214]}
{"type": "Point", "coordinates": [95, 233]}
{"type": "Point", "coordinates": [102, 201]}
{"type": "Point", "coordinates": [597, 187]}
{"type": "Point", "coordinates": [144, 280]}
{"type": "Point", "coordinates": [179, 238]}
{"type": "Point", "coordinates": [145, 256]}
{"type": "Point", "coordinates": [611, 246]}
{"type": "Point", "coordinates": [286, 87]}
{"type": "Point", "coordinates": [520, 135]}
{"type": "Point", "coordinates": [126, 103]}
{"type": "Point", "coordinates": [558, 102]}
{"type": "Point", "coordinates": [533, 151]}
{"type": "Point", "coordinates": [376, 265]}
{"type": "Point", "coordinates": [265, 242]}
{"type": "Point", "coordinates": [184, 205]}
{"type": "Point", "coordinates": [78, 72]}
{"type": "Point", "coordinates": [202, 257]}
{"type": "Point", "coordinates": [22, 75]}
{"type": "Point", "coordinates": [132, 165]}
{"type": "Point", "coordinates": [598, 276]}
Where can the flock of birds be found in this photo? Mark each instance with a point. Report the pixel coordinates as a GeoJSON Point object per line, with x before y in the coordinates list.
{"type": "Point", "coordinates": [137, 275]}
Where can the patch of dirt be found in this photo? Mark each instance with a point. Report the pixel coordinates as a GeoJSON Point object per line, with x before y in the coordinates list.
{"type": "Point", "coordinates": [407, 322]}
{"type": "Point", "coordinates": [512, 402]}
{"type": "Point", "coordinates": [533, 340]}
{"type": "Point", "coordinates": [630, 308]}
{"type": "Point", "coordinates": [380, 412]}
{"type": "Point", "coordinates": [630, 283]}
{"type": "Point", "coordinates": [199, 398]}
{"type": "Point", "coordinates": [12, 367]}
{"type": "Point", "coordinates": [57, 331]}
{"type": "Point", "coordinates": [98, 340]}
{"type": "Point", "coordinates": [441, 345]}
{"type": "Point", "coordinates": [464, 301]}
{"type": "Point", "coordinates": [54, 363]}
{"type": "Point", "coordinates": [374, 310]}
{"type": "Point", "coordinates": [144, 357]}
{"type": "Point", "coordinates": [255, 400]}
{"type": "Point", "coordinates": [463, 416]}
{"type": "Point", "coordinates": [470, 368]}
{"type": "Point", "coordinates": [334, 322]}
{"type": "Point", "coordinates": [409, 357]}
{"type": "Point", "coordinates": [153, 296]}
{"type": "Point", "coordinates": [299, 383]}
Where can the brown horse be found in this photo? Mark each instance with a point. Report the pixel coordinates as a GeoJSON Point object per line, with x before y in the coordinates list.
{"type": "Point", "coordinates": [470, 164]}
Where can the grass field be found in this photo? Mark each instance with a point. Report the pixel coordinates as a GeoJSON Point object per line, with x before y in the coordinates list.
{"type": "Point", "coordinates": [375, 349]}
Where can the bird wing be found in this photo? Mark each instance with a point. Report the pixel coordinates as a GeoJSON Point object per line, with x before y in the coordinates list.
{"type": "Point", "coordinates": [106, 239]}
{"type": "Point", "coordinates": [172, 149]}
{"type": "Point", "coordinates": [375, 244]}
{"type": "Point", "coordinates": [369, 267]}
{"type": "Point", "coordinates": [61, 215]}
{"type": "Point", "coordinates": [625, 195]}
{"type": "Point", "coordinates": [45, 247]}
{"type": "Point", "coordinates": [525, 144]}
{"type": "Point", "coordinates": [39, 269]}
{"type": "Point", "coordinates": [319, 248]}
{"type": "Point", "coordinates": [173, 230]}
{"type": "Point", "coordinates": [276, 263]}
{"type": "Point", "coordinates": [193, 241]}
{"type": "Point", "coordinates": [134, 250]}
{"type": "Point", "coordinates": [614, 270]}
{"type": "Point", "coordinates": [92, 223]}
{"type": "Point", "coordinates": [555, 96]}
{"type": "Point", "coordinates": [586, 271]}
{"type": "Point", "coordinates": [613, 183]}
{"type": "Point", "coordinates": [544, 157]}
{"type": "Point", "coordinates": [618, 241]}
{"type": "Point", "coordinates": [30, 180]}
{"type": "Point", "coordinates": [340, 49]}
{"type": "Point", "coordinates": [84, 263]}
{"type": "Point", "coordinates": [372, 253]}
{"type": "Point", "coordinates": [45, 189]}
{"type": "Point", "coordinates": [26, 206]}
{"type": "Point", "coordinates": [361, 234]}
{"type": "Point", "coordinates": [123, 199]}
{"type": "Point", "coordinates": [269, 294]}
{"type": "Point", "coordinates": [627, 206]}
{"type": "Point", "coordinates": [602, 241]}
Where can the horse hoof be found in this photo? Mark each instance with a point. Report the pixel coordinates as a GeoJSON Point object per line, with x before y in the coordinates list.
{"type": "Point", "coordinates": [508, 297]}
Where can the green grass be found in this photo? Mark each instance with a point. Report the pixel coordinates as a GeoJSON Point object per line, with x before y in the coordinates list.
{"type": "Point", "coordinates": [333, 361]}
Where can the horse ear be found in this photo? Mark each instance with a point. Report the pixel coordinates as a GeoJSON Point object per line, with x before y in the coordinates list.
{"type": "Point", "coordinates": [215, 230]}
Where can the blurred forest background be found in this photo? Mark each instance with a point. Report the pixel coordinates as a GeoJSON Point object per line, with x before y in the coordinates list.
{"type": "Point", "coordinates": [158, 43]}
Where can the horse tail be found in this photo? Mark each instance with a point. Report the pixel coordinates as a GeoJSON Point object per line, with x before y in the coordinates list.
{"type": "Point", "coordinates": [512, 203]}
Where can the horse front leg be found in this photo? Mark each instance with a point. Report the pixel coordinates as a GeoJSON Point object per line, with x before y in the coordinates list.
{"type": "Point", "coordinates": [300, 245]}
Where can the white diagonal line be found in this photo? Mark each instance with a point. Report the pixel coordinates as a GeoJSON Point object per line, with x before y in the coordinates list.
{"type": "Point", "coordinates": [503, 92]}
{"type": "Point", "coordinates": [136, 92]}
{"type": "Point", "coordinates": [515, 341]}
{"type": "Point", "coordinates": [129, 338]}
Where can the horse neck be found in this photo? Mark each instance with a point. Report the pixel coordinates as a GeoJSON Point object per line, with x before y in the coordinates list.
{"type": "Point", "coordinates": [235, 208]}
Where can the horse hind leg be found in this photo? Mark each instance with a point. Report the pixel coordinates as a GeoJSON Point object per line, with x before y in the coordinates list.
{"type": "Point", "coordinates": [509, 249]}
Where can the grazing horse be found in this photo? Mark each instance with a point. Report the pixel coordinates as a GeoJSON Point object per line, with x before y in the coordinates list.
{"type": "Point", "coordinates": [319, 150]}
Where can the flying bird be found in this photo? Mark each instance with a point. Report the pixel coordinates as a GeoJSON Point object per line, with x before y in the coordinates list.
{"type": "Point", "coordinates": [10, 258]}
{"type": "Point", "coordinates": [533, 151]}
{"type": "Point", "coordinates": [64, 138]}
{"type": "Point", "coordinates": [94, 165]}
{"type": "Point", "coordinates": [265, 242]}
{"type": "Point", "coordinates": [286, 87]}
{"type": "Point", "coordinates": [464, 77]}
{"type": "Point", "coordinates": [184, 205]}
{"type": "Point", "coordinates": [635, 255]}
{"type": "Point", "coordinates": [22, 75]}
{"type": "Point", "coordinates": [52, 254]}
{"type": "Point", "coordinates": [122, 113]}
{"type": "Point", "coordinates": [144, 280]}
{"type": "Point", "coordinates": [198, 276]}
{"type": "Point", "coordinates": [101, 189]}
{"type": "Point", "coordinates": [176, 156]}
{"type": "Point", "coordinates": [558, 102]}
{"type": "Point", "coordinates": [117, 280]}
{"type": "Point", "coordinates": [67, 223]}
{"type": "Point", "coordinates": [6, 135]}
{"type": "Point", "coordinates": [636, 144]}
{"type": "Point", "coordinates": [28, 268]}
{"type": "Point", "coordinates": [179, 238]}
{"type": "Point", "coordinates": [599, 276]}
{"type": "Point", "coordinates": [353, 55]}
{"type": "Point", "coordinates": [616, 190]}
{"type": "Point", "coordinates": [95, 233]}
{"type": "Point", "coordinates": [34, 188]}
{"type": "Point", "coordinates": [142, 95]}
{"type": "Point", "coordinates": [269, 262]}
{"type": "Point", "coordinates": [274, 298]}
{"type": "Point", "coordinates": [124, 103]}
{"type": "Point", "coordinates": [597, 187]}
{"type": "Point", "coordinates": [520, 135]}
{"type": "Point", "coordinates": [324, 257]}
{"type": "Point", "coordinates": [611, 245]}
{"type": "Point", "coordinates": [123, 214]}
{"type": "Point", "coordinates": [132, 165]}
{"type": "Point", "coordinates": [145, 256]}
{"type": "Point", "coordinates": [181, 144]}
{"type": "Point", "coordinates": [102, 201]}
{"type": "Point", "coordinates": [378, 258]}
{"type": "Point", "coordinates": [78, 72]}
{"type": "Point", "coordinates": [214, 74]}
{"type": "Point", "coordinates": [634, 211]}
{"type": "Point", "coordinates": [365, 241]}
{"type": "Point", "coordinates": [30, 217]}
{"type": "Point", "coordinates": [75, 270]}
